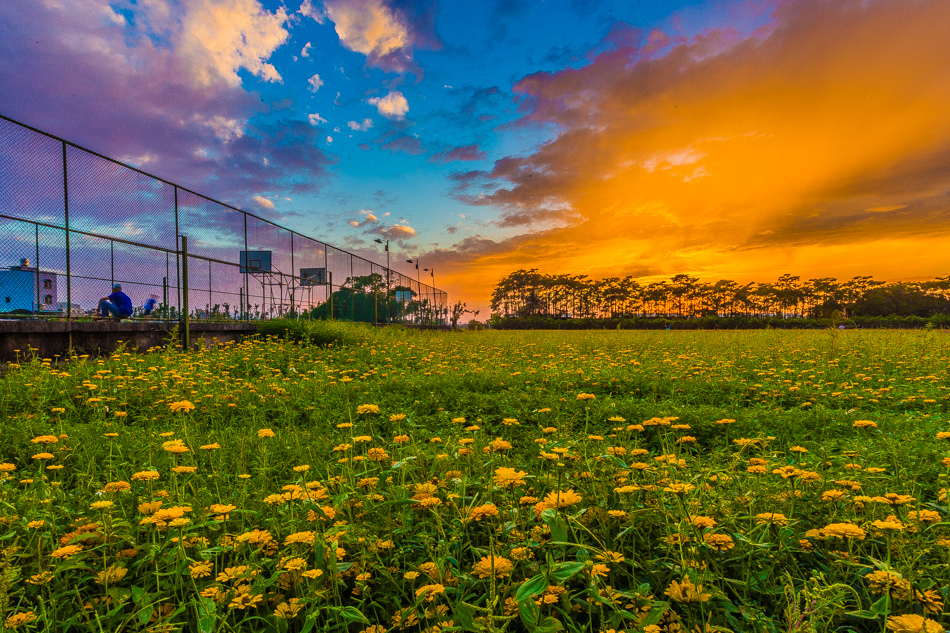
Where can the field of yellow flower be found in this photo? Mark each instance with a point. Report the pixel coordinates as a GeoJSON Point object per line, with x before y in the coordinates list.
{"type": "Point", "coordinates": [484, 481]}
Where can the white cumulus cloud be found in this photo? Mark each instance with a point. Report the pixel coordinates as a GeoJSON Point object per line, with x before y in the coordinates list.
{"type": "Point", "coordinates": [367, 26]}
{"type": "Point", "coordinates": [315, 83]}
{"type": "Point", "coordinates": [315, 119]}
{"type": "Point", "coordinates": [263, 202]}
{"type": "Point", "coordinates": [308, 10]}
{"type": "Point", "coordinates": [392, 106]}
{"type": "Point", "coordinates": [219, 37]}
{"type": "Point", "coordinates": [306, 50]}
{"type": "Point", "coordinates": [399, 231]}
{"type": "Point", "coordinates": [361, 127]}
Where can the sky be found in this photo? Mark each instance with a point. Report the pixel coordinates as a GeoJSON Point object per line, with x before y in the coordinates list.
{"type": "Point", "coordinates": [727, 140]}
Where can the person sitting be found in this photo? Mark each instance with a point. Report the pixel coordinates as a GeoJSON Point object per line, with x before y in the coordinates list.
{"type": "Point", "coordinates": [117, 305]}
{"type": "Point", "coordinates": [150, 304]}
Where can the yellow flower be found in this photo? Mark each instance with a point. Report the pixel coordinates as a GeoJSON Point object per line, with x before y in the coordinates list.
{"type": "Point", "coordinates": [262, 433]}
{"type": "Point", "coordinates": [557, 499]}
{"type": "Point", "coordinates": [686, 591]}
{"type": "Point", "coordinates": [430, 591]}
{"type": "Point", "coordinates": [43, 456]}
{"type": "Point", "coordinates": [66, 551]}
{"type": "Point", "coordinates": [175, 446]}
{"type": "Point", "coordinates": [221, 510]}
{"type": "Point", "coordinates": [499, 566]}
{"type": "Point", "coordinates": [183, 406]}
{"type": "Point", "coordinates": [913, 623]}
{"type": "Point", "coordinates": [184, 470]}
{"type": "Point", "coordinates": [15, 620]}
{"type": "Point", "coordinates": [304, 538]}
{"type": "Point", "coordinates": [480, 512]}
{"type": "Point", "coordinates": [864, 424]}
{"type": "Point", "coordinates": [245, 601]}
{"type": "Point", "coordinates": [121, 414]}
{"type": "Point", "coordinates": [32, 525]}
{"type": "Point", "coordinates": [111, 575]}
{"type": "Point", "coordinates": [209, 447]}
{"type": "Point", "coordinates": [586, 396]}
{"type": "Point", "coordinates": [7, 467]}
{"type": "Point", "coordinates": [888, 526]}
{"type": "Point", "coordinates": [377, 454]}
{"type": "Point", "coordinates": [397, 417]}
{"type": "Point", "coordinates": [302, 468]}
{"type": "Point", "coordinates": [702, 522]}
{"type": "Point", "coordinates": [145, 475]}
{"type": "Point", "coordinates": [400, 439]}
{"type": "Point", "coordinates": [844, 530]}
{"type": "Point", "coordinates": [58, 410]}
{"type": "Point", "coordinates": [41, 578]}
{"type": "Point", "coordinates": [367, 408]}
{"type": "Point", "coordinates": [719, 542]}
{"type": "Point", "coordinates": [45, 439]}
{"type": "Point", "coordinates": [288, 610]}
{"type": "Point", "coordinates": [509, 477]}
{"type": "Point", "coordinates": [771, 518]}
{"type": "Point", "coordinates": [101, 505]}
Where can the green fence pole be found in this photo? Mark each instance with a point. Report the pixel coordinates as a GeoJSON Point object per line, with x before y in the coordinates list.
{"type": "Point", "coordinates": [186, 334]}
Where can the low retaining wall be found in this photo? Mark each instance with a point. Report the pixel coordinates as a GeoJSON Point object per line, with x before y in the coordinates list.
{"type": "Point", "coordinates": [52, 339]}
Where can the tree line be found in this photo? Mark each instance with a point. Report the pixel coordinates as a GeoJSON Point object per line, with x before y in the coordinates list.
{"type": "Point", "coordinates": [528, 293]}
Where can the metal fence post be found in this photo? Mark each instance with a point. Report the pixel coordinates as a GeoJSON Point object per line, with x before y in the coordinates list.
{"type": "Point", "coordinates": [69, 273]}
{"type": "Point", "coordinates": [36, 263]}
{"type": "Point", "coordinates": [247, 263]}
{"type": "Point", "coordinates": [177, 257]}
{"type": "Point", "coordinates": [186, 334]}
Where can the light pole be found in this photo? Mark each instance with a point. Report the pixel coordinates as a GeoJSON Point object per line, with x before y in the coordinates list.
{"type": "Point", "coordinates": [431, 271]}
{"type": "Point", "coordinates": [388, 289]}
{"type": "Point", "coordinates": [418, 280]}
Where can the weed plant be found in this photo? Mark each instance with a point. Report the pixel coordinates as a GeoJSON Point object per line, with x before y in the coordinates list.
{"type": "Point", "coordinates": [346, 479]}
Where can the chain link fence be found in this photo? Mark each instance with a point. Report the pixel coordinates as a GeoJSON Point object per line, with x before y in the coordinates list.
{"type": "Point", "coordinates": [74, 222]}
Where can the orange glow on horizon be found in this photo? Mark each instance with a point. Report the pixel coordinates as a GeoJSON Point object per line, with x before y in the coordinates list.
{"type": "Point", "coordinates": [821, 149]}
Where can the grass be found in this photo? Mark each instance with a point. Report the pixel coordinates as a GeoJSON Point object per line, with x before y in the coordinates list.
{"type": "Point", "coordinates": [341, 478]}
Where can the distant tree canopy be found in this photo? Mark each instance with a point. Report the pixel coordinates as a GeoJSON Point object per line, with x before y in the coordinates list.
{"type": "Point", "coordinates": [366, 299]}
{"type": "Point", "coordinates": [528, 293]}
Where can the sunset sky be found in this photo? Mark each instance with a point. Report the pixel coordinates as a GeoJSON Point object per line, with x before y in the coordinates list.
{"type": "Point", "coordinates": [737, 140]}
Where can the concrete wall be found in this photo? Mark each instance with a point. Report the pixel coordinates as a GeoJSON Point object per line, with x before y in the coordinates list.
{"type": "Point", "coordinates": [51, 339]}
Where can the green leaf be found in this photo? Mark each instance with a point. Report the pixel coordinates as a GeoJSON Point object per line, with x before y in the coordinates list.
{"type": "Point", "coordinates": [529, 613]}
{"type": "Point", "coordinates": [352, 614]}
{"type": "Point", "coordinates": [465, 617]}
{"type": "Point", "coordinates": [556, 523]}
{"type": "Point", "coordinates": [566, 571]}
{"type": "Point", "coordinates": [656, 613]}
{"type": "Point", "coordinates": [549, 625]}
{"type": "Point", "coordinates": [207, 615]}
{"type": "Point", "coordinates": [534, 586]}
{"type": "Point", "coordinates": [309, 623]}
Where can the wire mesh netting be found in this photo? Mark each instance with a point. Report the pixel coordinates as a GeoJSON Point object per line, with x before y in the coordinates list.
{"type": "Point", "coordinates": [74, 223]}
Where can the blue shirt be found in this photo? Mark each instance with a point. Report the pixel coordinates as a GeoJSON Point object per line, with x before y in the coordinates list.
{"type": "Point", "coordinates": [122, 302]}
{"type": "Point", "coordinates": [150, 304]}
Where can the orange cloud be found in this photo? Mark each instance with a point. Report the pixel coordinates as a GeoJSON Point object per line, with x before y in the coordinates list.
{"type": "Point", "coordinates": [818, 146]}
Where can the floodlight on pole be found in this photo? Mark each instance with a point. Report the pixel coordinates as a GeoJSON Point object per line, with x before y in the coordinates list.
{"type": "Point", "coordinates": [388, 277]}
